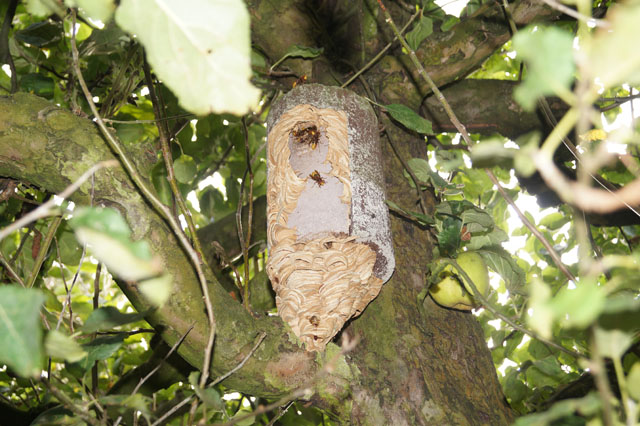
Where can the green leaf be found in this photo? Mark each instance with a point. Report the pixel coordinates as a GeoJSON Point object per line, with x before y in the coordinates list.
{"type": "Point", "coordinates": [122, 258]}
{"type": "Point", "coordinates": [579, 307]}
{"type": "Point", "coordinates": [492, 238]}
{"type": "Point", "coordinates": [297, 51]}
{"type": "Point", "coordinates": [38, 84]}
{"type": "Point", "coordinates": [99, 349]}
{"type": "Point", "coordinates": [477, 215]}
{"type": "Point", "coordinates": [548, 53]}
{"type": "Point", "coordinates": [491, 153]}
{"type": "Point", "coordinates": [106, 220]}
{"type": "Point", "coordinates": [422, 170]}
{"type": "Point", "coordinates": [449, 22]}
{"type": "Point", "coordinates": [513, 387]}
{"type": "Point", "coordinates": [554, 220]}
{"type": "Point", "coordinates": [61, 346]}
{"type": "Point", "coordinates": [70, 250]}
{"type": "Point", "coordinates": [44, 7]}
{"type": "Point", "coordinates": [449, 238]}
{"type": "Point", "coordinates": [409, 118]}
{"type": "Point", "coordinates": [210, 396]}
{"type": "Point", "coordinates": [609, 58]}
{"type": "Point", "coordinates": [523, 159]}
{"type": "Point", "coordinates": [108, 234]}
{"type": "Point", "coordinates": [41, 34]}
{"type": "Point", "coordinates": [633, 381]}
{"type": "Point", "coordinates": [561, 411]}
{"type": "Point", "coordinates": [20, 330]}
{"type": "Point", "coordinates": [421, 30]}
{"type": "Point", "coordinates": [501, 261]}
{"type": "Point", "coordinates": [157, 290]}
{"type": "Point", "coordinates": [542, 315]}
{"type": "Point", "coordinates": [199, 49]}
{"type": "Point", "coordinates": [106, 318]}
{"type": "Point", "coordinates": [161, 183]}
{"type": "Point", "coordinates": [185, 168]}
{"type": "Point", "coordinates": [100, 10]}
{"type": "Point", "coordinates": [612, 343]}
{"type": "Point", "coordinates": [124, 403]}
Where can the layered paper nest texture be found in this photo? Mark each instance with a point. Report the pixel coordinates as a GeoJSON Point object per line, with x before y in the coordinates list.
{"type": "Point", "coordinates": [329, 241]}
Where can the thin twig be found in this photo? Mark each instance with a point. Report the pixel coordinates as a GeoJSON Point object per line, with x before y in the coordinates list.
{"type": "Point", "coordinates": [155, 202]}
{"type": "Point", "coordinates": [154, 121]}
{"type": "Point", "coordinates": [48, 208]}
{"type": "Point", "coordinates": [265, 409]}
{"type": "Point", "coordinates": [381, 53]}
{"type": "Point", "coordinates": [243, 362]}
{"type": "Point", "coordinates": [245, 241]}
{"type": "Point", "coordinates": [96, 305]}
{"type": "Point", "coordinates": [576, 15]}
{"type": "Point", "coordinates": [281, 412]}
{"type": "Point", "coordinates": [547, 245]}
{"type": "Point", "coordinates": [425, 76]}
{"type": "Point", "coordinates": [10, 270]}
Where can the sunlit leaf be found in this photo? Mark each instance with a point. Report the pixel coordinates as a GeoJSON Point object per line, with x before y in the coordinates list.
{"type": "Point", "coordinates": [157, 290]}
{"type": "Point", "coordinates": [20, 330]}
{"type": "Point", "coordinates": [185, 168]}
{"type": "Point", "coordinates": [541, 318]}
{"type": "Point", "coordinates": [548, 53]}
{"type": "Point", "coordinates": [198, 48]}
{"type": "Point", "coordinates": [61, 346]}
{"type": "Point", "coordinates": [609, 60]}
{"type": "Point", "coordinates": [612, 343]}
{"type": "Point", "coordinates": [501, 261]}
{"type": "Point", "coordinates": [97, 10]}
{"type": "Point", "coordinates": [633, 381]}
{"type": "Point", "coordinates": [580, 306]}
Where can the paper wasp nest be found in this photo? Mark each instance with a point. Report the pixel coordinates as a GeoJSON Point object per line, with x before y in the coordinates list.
{"type": "Point", "coordinates": [329, 240]}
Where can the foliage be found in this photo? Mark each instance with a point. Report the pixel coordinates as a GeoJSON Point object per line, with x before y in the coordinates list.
{"type": "Point", "coordinates": [546, 332]}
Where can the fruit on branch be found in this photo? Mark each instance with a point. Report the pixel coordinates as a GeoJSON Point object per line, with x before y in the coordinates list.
{"type": "Point", "coordinates": [450, 291]}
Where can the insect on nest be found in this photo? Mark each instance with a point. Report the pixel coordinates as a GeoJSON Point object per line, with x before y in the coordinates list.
{"type": "Point", "coordinates": [306, 133]}
{"type": "Point", "coordinates": [315, 175]}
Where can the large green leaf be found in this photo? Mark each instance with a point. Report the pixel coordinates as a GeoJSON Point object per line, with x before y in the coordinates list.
{"type": "Point", "coordinates": [409, 118]}
{"type": "Point", "coordinates": [61, 346]}
{"type": "Point", "coordinates": [20, 330]}
{"type": "Point", "coordinates": [548, 53]}
{"type": "Point", "coordinates": [421, 30]}
{"type": "Point", "coordinates": [198, 48]}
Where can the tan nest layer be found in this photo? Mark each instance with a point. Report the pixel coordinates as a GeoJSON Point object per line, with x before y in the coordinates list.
{"type": "Point", "coordinates": [320, 280]}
